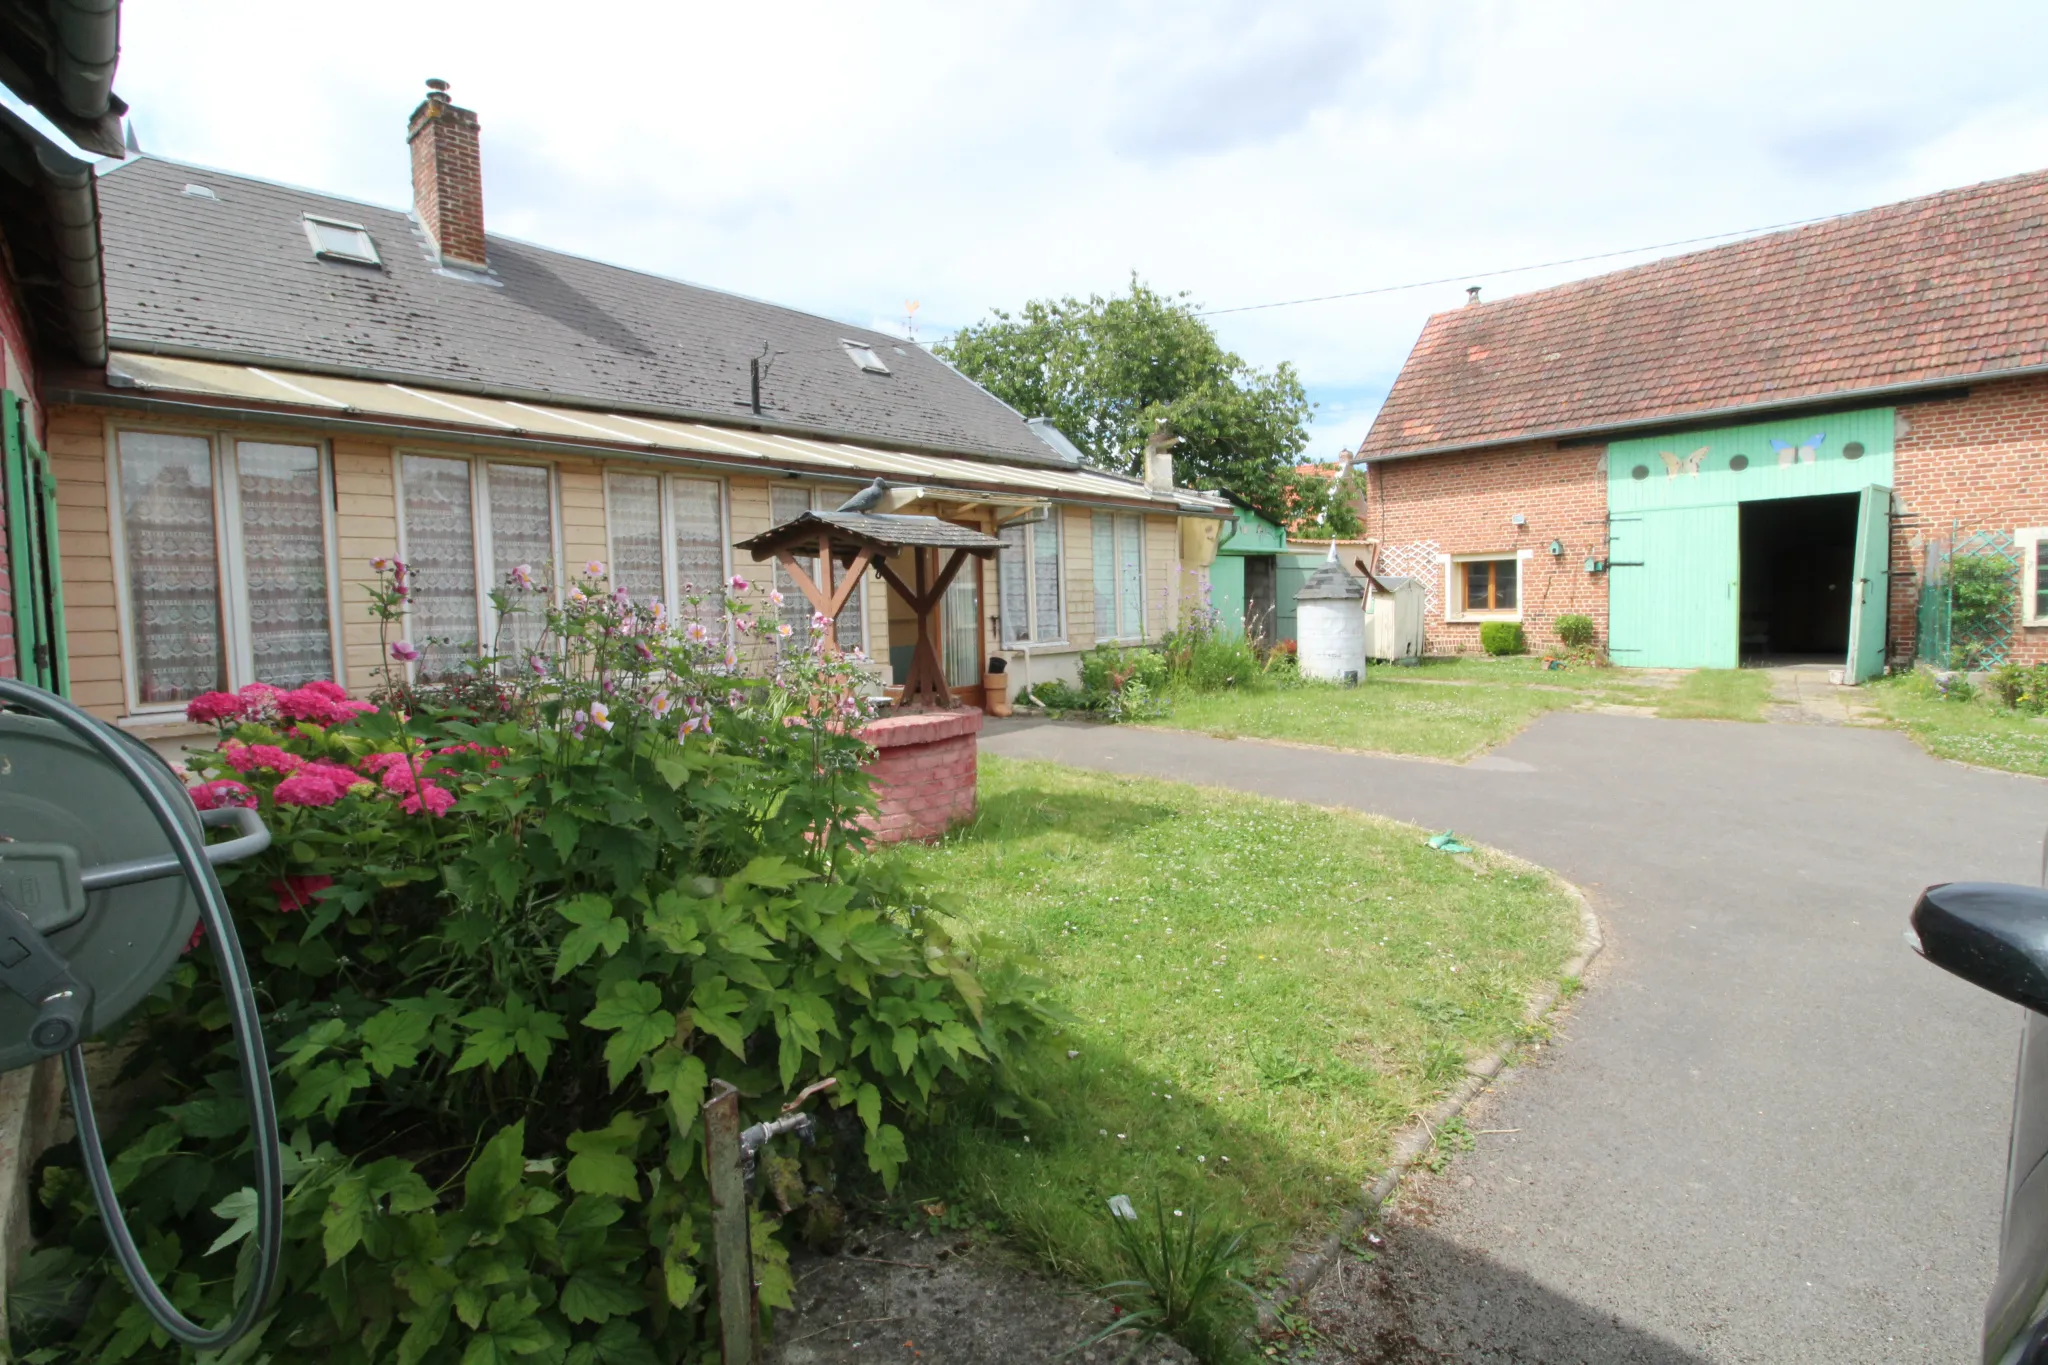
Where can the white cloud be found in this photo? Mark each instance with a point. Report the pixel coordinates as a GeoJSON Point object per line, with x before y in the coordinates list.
{"type": "Point", "coordinates": [849, 158]}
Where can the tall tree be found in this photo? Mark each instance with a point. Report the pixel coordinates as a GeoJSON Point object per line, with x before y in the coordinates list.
{"type": "Point", "coordinates": [1106, 370]}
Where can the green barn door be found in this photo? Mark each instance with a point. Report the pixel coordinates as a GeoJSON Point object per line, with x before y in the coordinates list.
{"type": "Point", "coordinates": [1870, 599]}
{"type": "Point", "coordinates": [1674, 587]}
{"type": "Point", "coordinates": [31, 492]}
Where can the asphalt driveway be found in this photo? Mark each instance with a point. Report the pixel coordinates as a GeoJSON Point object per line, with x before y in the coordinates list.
{"type": "Point", "coordinates": [1768, 1132]}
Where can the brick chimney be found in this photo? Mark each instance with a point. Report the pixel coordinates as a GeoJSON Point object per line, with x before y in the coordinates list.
{"type": "Point", "coordinates": [448, 177]}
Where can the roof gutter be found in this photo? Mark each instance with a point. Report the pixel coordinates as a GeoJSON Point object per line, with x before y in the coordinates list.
{"type": "Point", "coordinates": [59, 390]}
{"type": "Point", "coordinates": [372, 375]}
{"type": "Point", "coordinates": [88, 34]}
{"type": "Point", "coordinates": [1705, 415]}
{"type": "Point", "coordinates": [71, 202]}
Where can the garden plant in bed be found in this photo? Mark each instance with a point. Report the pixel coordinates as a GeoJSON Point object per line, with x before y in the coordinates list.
{"type": "Point", "coordinates": [509, 929]}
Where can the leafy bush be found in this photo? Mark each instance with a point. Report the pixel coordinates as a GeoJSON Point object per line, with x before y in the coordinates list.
{"type": "Point", "coordinates": [1106, 669]}
{"type": "Point", "coordinates": [1574, 632]}
{"type": "Point", "coordinates": [2020, 687]}
{"type": "Point", "coordinates": [1503, 637]}
{"type": "Point", "coordinates": [506, 934]}
{"type": "Point", "coordinates": [1981, 602]}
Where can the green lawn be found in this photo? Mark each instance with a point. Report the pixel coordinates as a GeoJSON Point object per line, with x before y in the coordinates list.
{"type": "Point", "coordinates": [1717, 694]}
{"type": "Point", "coordinates": [1261, 994]}
{"type": "Point", "coordinates": [1408, 710]}
{"type": "Point", "coordinates": [1972, 731]}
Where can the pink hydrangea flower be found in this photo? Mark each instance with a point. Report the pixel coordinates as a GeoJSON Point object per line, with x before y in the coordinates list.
{"type": "Point", "coordinates": [247, 758]}
{"type": "Point", "coordinates": [213, 708]}
{"type": "Point", "coordinates": [434, 800]}
{"type": "Point", "coordinates": [220, 793]}
{"type": "Point", "coordinates": [322, 703]}
{"type": "Point", "coordinates": [296, 893]}
{"type": "Point", "coordinates": [301, 790]}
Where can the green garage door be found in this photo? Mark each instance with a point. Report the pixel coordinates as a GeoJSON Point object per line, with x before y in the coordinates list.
{"type": "Point", "coordinates": [1674, 589]}
{"type": "Point", "coordinates": [1870, 597]}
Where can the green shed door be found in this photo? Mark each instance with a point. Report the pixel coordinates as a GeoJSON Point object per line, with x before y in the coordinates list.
{"type": "Point", "coordinates": [1674, 588]}
{"type": "Point", "coordinates": [1226, 595]}
{"type": "Point", "coordinates": [41, 654]}
{"type": "Point", "coordinates": [1869, 603]}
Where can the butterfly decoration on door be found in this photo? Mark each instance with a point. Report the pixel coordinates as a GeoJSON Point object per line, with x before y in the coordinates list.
{"type": "Point", "coordinates": [1690, 464]}
{"type": "Point", "coordinates": [1804, 453]}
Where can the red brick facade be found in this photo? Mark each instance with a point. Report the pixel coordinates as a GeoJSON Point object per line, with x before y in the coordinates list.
{"type": "Point", "coordinates": [1425, 508]}
{"type": "Point", "coordinates": [924, 773]}
{"type": "Point", "coordinates": [448, 177]}
{"type": "Point", "coordinates": [1970, 464]}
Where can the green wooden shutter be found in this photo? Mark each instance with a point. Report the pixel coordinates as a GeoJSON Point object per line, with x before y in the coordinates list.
{"type": "Point", "coordinates": [1674, 587]}
{"type": "Point", "coordinates": [32, 558]}
{"type": "Point", "coordinates": [1869, 601]}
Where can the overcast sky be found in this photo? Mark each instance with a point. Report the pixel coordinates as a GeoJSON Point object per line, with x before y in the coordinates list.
{"type": "Point", "coordinates": [847, 158]}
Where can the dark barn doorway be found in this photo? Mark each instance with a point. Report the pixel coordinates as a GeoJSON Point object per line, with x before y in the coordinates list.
{"type": "Point", "coordinates": [1798, 571]}
{"type": "Point", "coordinates": [1261, 598]}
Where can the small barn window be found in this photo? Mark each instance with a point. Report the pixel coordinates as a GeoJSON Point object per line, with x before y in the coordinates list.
{"type": "Point", "coordinates": [2034, 576]}
{"type": "Point", "coordinates": [863, 355]}
{"type": "Point", "coordinates": [1486, 587]}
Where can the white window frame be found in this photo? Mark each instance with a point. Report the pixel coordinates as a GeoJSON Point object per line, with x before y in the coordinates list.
{"type": "Point", "coordinates": [1033, 637]}
{"type": "Point", "coordinates": [237, 639]}
{"type": "Point", "coordinates": [671, 570]}
{"type": "Point", "coordinates": [480, 529]}
{"type": "Point", "coordinates": [1112, 636]}
{"type": "Point", "coordinates": [1454, 585]}
{"type": "Point", "coordinates": [2030, 539]}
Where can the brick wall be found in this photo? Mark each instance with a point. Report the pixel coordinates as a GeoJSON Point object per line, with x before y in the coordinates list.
{"type": "Point", "coordinates": [1975, 463]}
{"type": "Point", "coordinates": [1425, 507]}
{"type": "Point", "coordinates": [924, 773]}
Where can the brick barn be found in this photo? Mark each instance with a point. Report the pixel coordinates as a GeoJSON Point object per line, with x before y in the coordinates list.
{"type": "Point", "coordinates": [1785, 448]}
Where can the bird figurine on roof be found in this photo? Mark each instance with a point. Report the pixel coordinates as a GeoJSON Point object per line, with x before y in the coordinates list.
{"type": "Point", "coordinates": [867, 499]}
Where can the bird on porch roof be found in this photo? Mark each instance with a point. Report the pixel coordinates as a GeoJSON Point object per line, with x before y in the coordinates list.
{"type": "Point", "coordinates": [867, 499]}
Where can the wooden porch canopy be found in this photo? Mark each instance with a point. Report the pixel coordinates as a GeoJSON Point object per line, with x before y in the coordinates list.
{"type": "Point", "coordinates": [855, 540]}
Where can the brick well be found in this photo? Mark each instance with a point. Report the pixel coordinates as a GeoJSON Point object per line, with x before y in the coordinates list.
{"type": "Point", "coordinates": [923, 772]}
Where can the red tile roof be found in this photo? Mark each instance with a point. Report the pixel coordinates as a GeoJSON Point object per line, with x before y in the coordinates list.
{"type": "Point", "coordinates": [1949, 287]}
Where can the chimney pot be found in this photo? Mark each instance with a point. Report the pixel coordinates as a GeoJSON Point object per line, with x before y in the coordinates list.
{"type": "Point", "coordinates": [1471, 294]}
{"type": "Point", "coordinates": [447, 177]}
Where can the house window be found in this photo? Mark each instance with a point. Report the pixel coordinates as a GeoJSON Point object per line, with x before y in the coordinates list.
{"type": "Point", "coordinates": [466, 525]}
{"type": "Point", "coordinates": [1028, 581]}
{"type": "Point", "coordinates": [1486, 586]}
{"type": "Point", "coordinates": [225, 564]}
{"type": "Point", "coordinates": [2034, 581]}
{"type": "Point", "coordinates": [674, 555]}
{"type": "Point", "coordinates": [787, 504]}
{"type": "Point", "coordinates": [1119, 552]}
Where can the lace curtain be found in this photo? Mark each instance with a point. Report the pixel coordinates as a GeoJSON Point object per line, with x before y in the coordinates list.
{"type": "Point", "coordinates": [961, 640]}
{"type": "Point", "coordinates": [173, 570]}
{"type": "Point", "coordinates": [1013, 594]}
{"type": "Point", "coordinates": [633, 511]}
{"type": "Point", "coordinates": [700, 550]}
{"type": "Point", "coordinates": [284, 562]}
{"type": "Point", "coordinates": [440, 547]}
{"type": "Point", "coordinates": [1103, 542]}
{"type": "Point", "coordinates": [1130, 573]}
{"type": "Point", "coordinates": [786, 504]}
{"type": "Point", "coordinates": [1045, 579]}
{"type": "Point", "coordinates": [522, 532]}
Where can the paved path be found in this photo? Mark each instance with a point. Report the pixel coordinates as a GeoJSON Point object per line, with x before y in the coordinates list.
{"type": "Point", "coordinates": [1768, 1132]}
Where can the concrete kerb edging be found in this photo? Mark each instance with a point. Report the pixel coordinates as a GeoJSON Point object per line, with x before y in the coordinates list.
{"type": "Point", "coordinates": [1414, 1141]}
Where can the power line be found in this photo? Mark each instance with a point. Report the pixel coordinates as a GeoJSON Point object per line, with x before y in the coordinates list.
{"type": "Point", "coordinates": [1518, 269]}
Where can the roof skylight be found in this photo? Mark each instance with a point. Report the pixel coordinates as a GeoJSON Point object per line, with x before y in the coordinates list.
{"type": "Point", "coordinates": [201, 192]}
{"type": "Point", "coordinates": [338, 241]}
{"type": "Point", "coordinates": [863, 355]}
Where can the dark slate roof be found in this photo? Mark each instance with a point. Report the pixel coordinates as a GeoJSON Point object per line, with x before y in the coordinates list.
{"type": "Point", "coordinates": [1330, 583]}
{"type": "Point", "coordinates": [234, 277]}
{"type": "Point", "coordinates": [1941, 289]}
{"type": "Point", "coordinates": [883, 531]}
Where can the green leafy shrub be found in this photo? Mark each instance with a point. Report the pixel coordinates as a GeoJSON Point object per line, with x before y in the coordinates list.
{"type": "Point", "coordinates": [1981, 604]}
{"type": "Point", "coordinates": [1574, 632]}
{"type": "Point", "coordinates": [2019, 687]}
{"type": "Point", "coordinates": [506, 934]}
{"type": "Point", "coordinates": [1109, 671]}
{"type": "Point", "coordinates": [1503, 637]}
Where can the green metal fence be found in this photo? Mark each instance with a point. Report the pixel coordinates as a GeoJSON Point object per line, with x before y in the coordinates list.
{"type": "Point", "coordinates": [1969, 599]}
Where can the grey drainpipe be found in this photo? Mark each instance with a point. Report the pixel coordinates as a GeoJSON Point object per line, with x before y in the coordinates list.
{"type": "Point", "coordinates": [73, 203]}
{"type": "Point", "coordinates": [89, 39]}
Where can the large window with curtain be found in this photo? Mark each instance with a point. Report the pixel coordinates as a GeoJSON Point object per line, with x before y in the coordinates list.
{"type": "Point", "coordinates": [226, 575]}
{"type": "Point", "coordinates": [786, 504]}
{"type": "Point", "coordinates": [1028, 582]}
{"type": "Point", "coordinates": [1119, 562]}
{"type": "Point", "coordinates": [668, 541]}
{"type": "Point", "coordinates": [464, 525]}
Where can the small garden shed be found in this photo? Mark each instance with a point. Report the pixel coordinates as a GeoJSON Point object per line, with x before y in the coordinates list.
{"type": "Point", "coordinates": [1244, 579]}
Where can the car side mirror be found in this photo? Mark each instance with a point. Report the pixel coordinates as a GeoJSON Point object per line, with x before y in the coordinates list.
{"type": "Point", "coordinates": [1991, 934]}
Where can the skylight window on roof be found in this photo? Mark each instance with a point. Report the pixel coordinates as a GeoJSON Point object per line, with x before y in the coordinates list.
{"type": "Point", "coordinates": [201, 192]}
{"type": "Point", "coordinates": [863, 355]}
{"type": "Point", "coordinates": [335, 240]}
